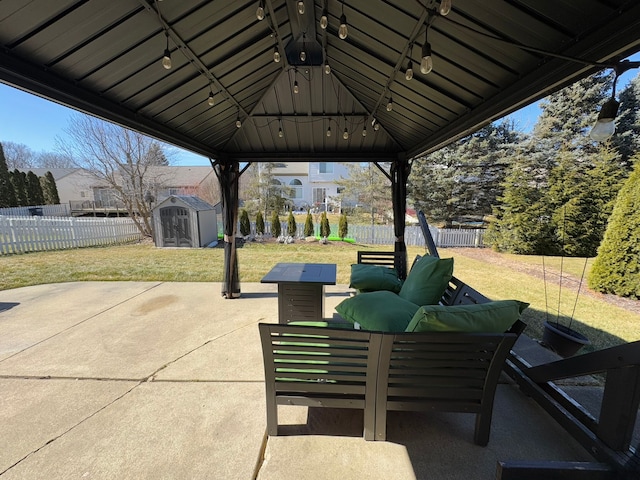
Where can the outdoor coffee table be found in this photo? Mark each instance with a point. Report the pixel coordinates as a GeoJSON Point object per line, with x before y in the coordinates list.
{"type": "Point", "coordinates": [301, 289]}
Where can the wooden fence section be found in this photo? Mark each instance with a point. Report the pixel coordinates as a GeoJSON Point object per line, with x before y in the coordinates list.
{"type": "Point", "coordinates": [33, 234]}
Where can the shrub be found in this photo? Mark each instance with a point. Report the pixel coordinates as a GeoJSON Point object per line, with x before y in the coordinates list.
{"type": "Point", "coordinates": [343, 226]}
{"type": "Point", "coordinates": [259, 223]}
{"type": "Point", "coordinates": [245, 225]}
{"type": "Point", "coordinates": [616, 269]}
{"type": "Point", "coordinates": [325, 228]}
{"type": "Point", "coordinates": [276, 229]}
{"type": "Point", "coordinates": [291, 225]}
{"type": "Point", "coordinates": [308, 225]}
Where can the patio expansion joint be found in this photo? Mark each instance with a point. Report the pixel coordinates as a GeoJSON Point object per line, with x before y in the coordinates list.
{"type": "Point", "coordinates": [81, 322]}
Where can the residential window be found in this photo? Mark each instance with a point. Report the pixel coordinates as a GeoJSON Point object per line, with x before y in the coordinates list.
{"type": "Point", "coordinates": [325, 167]}
{"type": "Point", "coordinates": [319, 196]}
{"type": "Point", "coordinates": [296, 188]}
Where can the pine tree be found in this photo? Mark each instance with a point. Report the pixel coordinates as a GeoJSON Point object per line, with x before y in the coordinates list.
{"type": "Point", "coordinates": [309, 230]}
{"type": "Point", "coordinates": [34, 189]}
{"type": "Point", "coordinates": [276, 228]}
{"type": "Point", "coordinates": [245, 224]}
{"type": "Point", "coordinates": [259, 223]}
{"type": "Point", "coordinates": [616, 269]}
{"type": "Point", "coordinates": [627, 137]}
{"type": "Point", "coordinates": [292, 227]}
{"type": "Point", "coordinates": [325, 228]}
{"type": "Point", "coordinates": [7, 194]}
{"type": "Point", "coordinates": [19, 182]}
{"type": "Point", "coordinates": [343, 226]}
{"type": "Point", "coordinates": [50, 189]}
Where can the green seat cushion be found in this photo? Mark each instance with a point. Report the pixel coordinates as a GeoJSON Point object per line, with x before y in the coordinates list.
{"type": "Point", "coordinates": [381, 311]}
{"type": "Point", "coordinates": [373, 278]}
{"type": "Point", "coordinates": [490, 317]}
{"type": "Point", "coordinates": [427, 280]}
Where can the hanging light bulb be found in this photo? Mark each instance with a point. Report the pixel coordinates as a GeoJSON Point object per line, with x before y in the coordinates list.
{"type": "Point", "coordinates": [296, 87]}
{"type": "Point", "coordinates": [303, 55]}
{"type": "Point", "coordinates": [364, 131]}
{"type": "Point", "coordinates": [376, 126]}
{"type": "Point", "coordinates": [327, 68]}
{"type": "Point", "coordinates": [342, 30]}
{"type": "Point", "coordinates": [409, 73]}
{"type": "Point", "coordinates": [260, 10]}
{"type": "Point", "coordinates": [238, 122]}
{"type": "Point", "coordinates": [211, 100]}
{"type": "Point", "coordinates": [426, 64]}
{"type": "Point", "coordinates": [166, 60]}
{"type": "Point", "coordinates": [276, 54]}
{"type": "Point", "coordinates": [445, 7]}
{"type": "Point", "coordinates": [280, 132]}
{"type": "Point", "coordinates": [390, 104]}
{"type": "Point", "coordinates": [324, 19]}
{"type": "Point", "coordinates": [301, 8]}
{"type": "Point", "coordinates": [329, 131]}
{"type": "Point", "coordinates": [345, 134]}
{"type": "Point", "coordinates": [605, 126]}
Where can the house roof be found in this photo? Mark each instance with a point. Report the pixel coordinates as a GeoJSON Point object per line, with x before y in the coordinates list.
{"type": "Point", "coordinates": [489, 59]}
{"type": "Point", "coordinates": [58, 173]}
{"type": "Point", "coordinates": [175, 176]}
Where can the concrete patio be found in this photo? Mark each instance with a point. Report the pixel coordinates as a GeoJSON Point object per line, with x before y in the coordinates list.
{"type": "Point", "coordinates": [123, 380]}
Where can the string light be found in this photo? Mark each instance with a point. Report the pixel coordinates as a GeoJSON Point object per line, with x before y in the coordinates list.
{"type": "Point", "coordinates": [276, 54]}
{"type": "Point", "coordinates": [329, 131]}
{"type": "Point", "coordinates": [390, 104]}
{"type": "Point", "coordinates": [426, 63]}
{"type": "Point", "coordinates": [211, 101]}
{"type": "Point", "coordinates": [301, 7]}
{"type": "Point", "coordinates": [280, 132]}
{"type": "Point", "coordinates": [166, 60]}
{"type": "Point", "coordinates": [409, 73]}
{"type": "Point", "coordinates": [324, 19]}
{"type": "Point", "coordinates": [303, 52]}
{"type": "Point", "coordinates": [327, 68]}
{"type": "Point", "coordinates": [345, 134]}
{"type": "Point", "coordinates": [375, 125]}
{"type": "Point", "coordinates": [260, 10]}
{"type": "Point", "coordinates": [342, 30]}
{"type": "Point", "coordinates": [445, 7]}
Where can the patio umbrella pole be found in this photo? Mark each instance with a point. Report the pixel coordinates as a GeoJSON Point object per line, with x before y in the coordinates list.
{"type": "Point", "coordinates": [400, 170]}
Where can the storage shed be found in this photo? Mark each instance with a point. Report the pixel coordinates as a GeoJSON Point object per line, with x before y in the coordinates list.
{"type": "Point", "coordinates": [184, 221]}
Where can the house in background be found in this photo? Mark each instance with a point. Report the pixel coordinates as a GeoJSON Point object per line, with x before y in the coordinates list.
{"type": "Point", "coordinates": [87, 195]}
{"type": "Point", "coordinates": [313, 184]}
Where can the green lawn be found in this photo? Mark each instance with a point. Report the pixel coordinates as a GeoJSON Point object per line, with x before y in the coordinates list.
{"type": "Point", "coordinates": [605, 324]}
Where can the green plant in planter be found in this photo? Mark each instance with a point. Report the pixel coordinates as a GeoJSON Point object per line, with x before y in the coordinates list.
{"type": "Point", "coordinates": [325, 228]}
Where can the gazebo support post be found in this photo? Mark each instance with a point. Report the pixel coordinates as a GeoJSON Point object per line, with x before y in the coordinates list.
{"type": "Point", "coordinates": [228, 173]}
{"type": "Point", "coordinates": [400, 170]}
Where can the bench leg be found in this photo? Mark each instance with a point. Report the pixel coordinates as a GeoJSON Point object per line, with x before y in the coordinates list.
{"type": "Point", "coordinates": [272, 416]}
{"type": "Point", "coordinates": [483, 429]}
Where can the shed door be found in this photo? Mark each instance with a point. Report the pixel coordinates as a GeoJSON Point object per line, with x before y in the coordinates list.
{"type": "Point", "coordinates": [175, 227]}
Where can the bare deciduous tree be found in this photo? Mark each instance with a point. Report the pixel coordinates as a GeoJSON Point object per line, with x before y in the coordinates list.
{"type": "Point", "coordinates": [120, 159]}
{"type": "Point", "coordinates": [18, 155]}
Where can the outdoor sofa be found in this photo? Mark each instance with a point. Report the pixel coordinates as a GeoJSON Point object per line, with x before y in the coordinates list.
{"type": "Point", "coordinates": [446, 356]}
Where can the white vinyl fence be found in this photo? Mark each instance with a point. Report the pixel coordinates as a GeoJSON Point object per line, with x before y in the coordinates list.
{"type": "Point", "coordinates": [383, 234]}
{"type": "Point", "coordinates": [60, 210]}
{"type": "Point", "coordinates": [33, 234]}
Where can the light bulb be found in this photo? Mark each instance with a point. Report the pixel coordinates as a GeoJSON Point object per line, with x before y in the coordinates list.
{"type": "Point", "coordinates": [296, 88]}
{"type": "Point", "coordinates": [345, 134]}
{"type": "Point", "coordinates": [301, 8]}
{"type": "Point", "coordinates": [303, 55]}
{"type": "Point", "coordinates": [409, 73]}
{"type": "Point", "coordinates": [445, 7]}
{"type": "Point", "coordinates": [342, 31]}
{"type": "Point", "coordinates": [280, 132]}
{"type": "Point", "coordinates": [605, 126]}
{"type": "Point", "coordinates": [364, 132]}
{"type": "Point", "coordinates": [329, 132]}
{"type": "Point", "coordinates": [327, 68]}
{"type": "Point", "coordinates": [166, 60]}
{"type": "Point", "coordinates": [260, 11]}
{"type": "Point", "coordinates": [276, 54]}
{"type": "Point", "coordinates": [324, 20]}
{"type": "Point", "coordinates": [426, 64]}
{"type": "Point", "coordinates": [238, 123]}
{"type": "Point", "coordinates": [211, 100]}
{"type": "Point", "coordinates": [390, 105]}
{"type": "Point", "coordinates": [376, 127]}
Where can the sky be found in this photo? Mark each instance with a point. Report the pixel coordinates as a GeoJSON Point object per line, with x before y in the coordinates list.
{"type": "Point", "coordinates": [37, 122]}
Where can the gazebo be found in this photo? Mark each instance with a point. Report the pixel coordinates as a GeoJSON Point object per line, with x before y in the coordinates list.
{"type": "Point", "coordinates": [324, 81]}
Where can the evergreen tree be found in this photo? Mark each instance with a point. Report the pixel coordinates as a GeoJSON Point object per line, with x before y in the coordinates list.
{"type": "Point", "coordinates": [34, 189]}
{"type": "Point", "coordinates": [276, 228]}
{"type": "Point", "coordinates": [616, 269]}
{"type": "Point", "coordinates": [308, 225]}
{"type": "Point", "coordinates": [627, 137]}
{"type": "Point", "coordinates": [259, 223]}
{"type": "Point", "coordinates": [50, 189]}
{"type": "Point", "coordinates": [7, 194]}
{"type": "Point", "coordinates": [292, 227]}
{"type": "Point", "coordinates": [19, 181]}
{"type": "Point", "coordinates": [343, 226]}
{"type": "Point", "coordinates": [325, 228]}
{"type": "Point", "coordinates": [245, 224]}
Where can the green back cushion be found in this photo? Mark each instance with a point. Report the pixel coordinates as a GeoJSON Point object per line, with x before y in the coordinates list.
{"type": "Point", "coordinates": [427, 280]}
{"type": "Point", "coordinates": [380, 311]}
{"type": "Point", "coordinates": [374, 277]}
{"type": "Point", "coordinates": [491, 317]}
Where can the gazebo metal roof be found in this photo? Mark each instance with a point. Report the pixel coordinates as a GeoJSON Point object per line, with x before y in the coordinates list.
{"type": "Point", "coordinates": [490, 58]}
